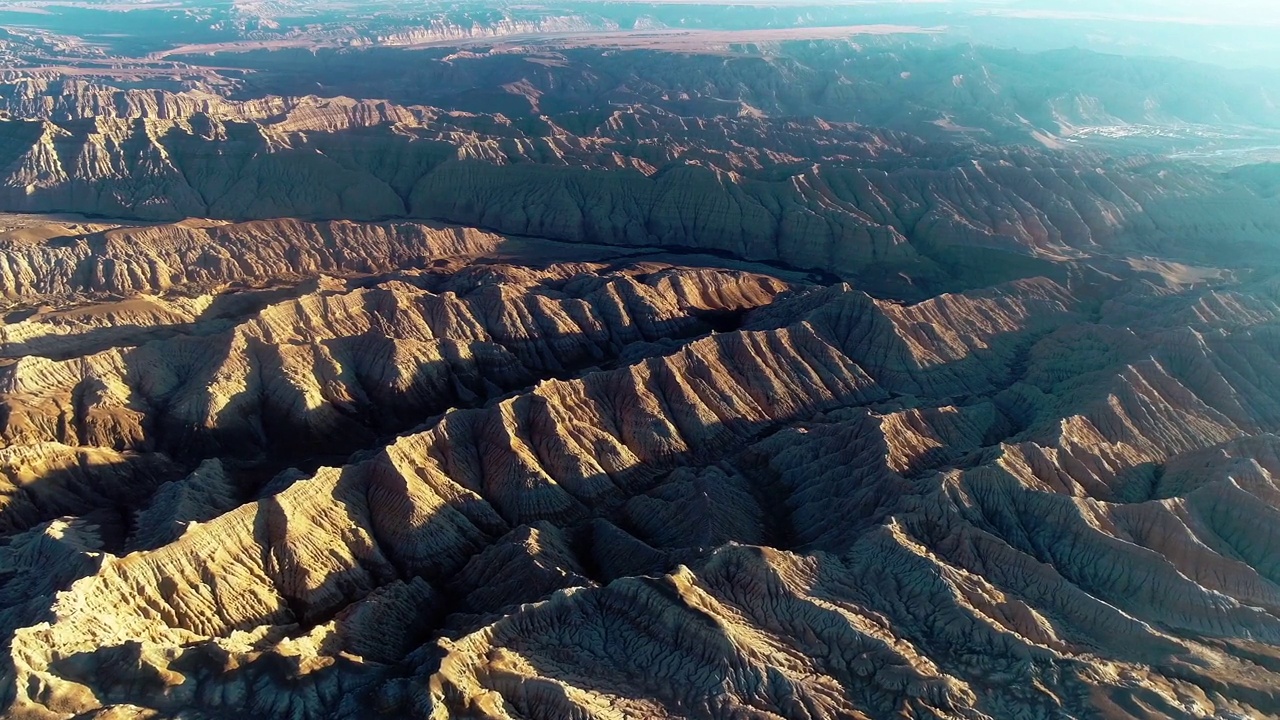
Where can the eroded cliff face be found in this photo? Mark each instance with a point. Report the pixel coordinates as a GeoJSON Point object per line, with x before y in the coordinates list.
{"type": "Point", "coordinates": [634, 489]}
{"type": "Point", "coordinates": [522, 386]}
{"type": "Point", "coordinates": [628, 168]}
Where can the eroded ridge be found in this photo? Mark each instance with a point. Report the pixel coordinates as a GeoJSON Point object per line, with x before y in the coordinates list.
{"type": "Point", "coordinates": [583, 370]}
{"type": "Point", "coordinates": [844, 505]}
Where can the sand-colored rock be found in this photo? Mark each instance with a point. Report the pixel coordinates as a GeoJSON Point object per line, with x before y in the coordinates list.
{"type": "Point", "coordinates": [819, 536]}
{"type": "Point", "coordinates": [560, 382]}
{"type": "Point", "coordinates": [821, 194]}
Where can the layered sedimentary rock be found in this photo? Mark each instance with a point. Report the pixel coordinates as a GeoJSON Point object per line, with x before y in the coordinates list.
{"type": "Point", "coordinates": [845, 507]}
{"type": "Point", "coordinates": [551, 383]}
{"type": "Point", "coordinates": [633, 170]}
{"type": "Point", "coordinates": [335, 367]}
{"type": "Point", "coordinates": [199, 254]}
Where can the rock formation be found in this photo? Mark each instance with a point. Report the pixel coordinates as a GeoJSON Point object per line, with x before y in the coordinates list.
{"type": "Point", "coordinates": [558, 382]}
{"type": "Point", "coordinates": [586, 147]}
{"type": "Point", "coordinates": [835, 507]}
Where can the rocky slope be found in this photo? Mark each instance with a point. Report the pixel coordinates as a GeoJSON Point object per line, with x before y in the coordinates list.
{"type": "Point", "coordinates": [865, 171]}
{"type": "Point", "coordinates": [195, 254]}
{"type": "Point", "coordinates": [860, 203]}
{"type": "Point", "coordinates": [327, 367]}
{"type": "Point", "coordinates": [628, 384]}
{"type": "Point", "coordinates": [843, 507]}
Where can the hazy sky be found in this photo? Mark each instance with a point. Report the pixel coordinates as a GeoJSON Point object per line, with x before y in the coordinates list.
{"type": "Point", "coordinates": [1265, 12]}
{"type": "Point", "coordinates": [1217, 12]}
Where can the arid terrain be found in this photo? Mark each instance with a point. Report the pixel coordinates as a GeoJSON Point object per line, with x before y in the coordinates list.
{"type": "Point", "coordinates": [630, 361]}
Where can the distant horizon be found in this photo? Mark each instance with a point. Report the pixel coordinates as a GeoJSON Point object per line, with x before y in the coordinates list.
{"type": "Point", "coordinates": [1232, 33]}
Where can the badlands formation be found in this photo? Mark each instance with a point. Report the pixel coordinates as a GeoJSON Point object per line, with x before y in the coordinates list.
{"type": "Point", "coordinates": [574, 380]}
